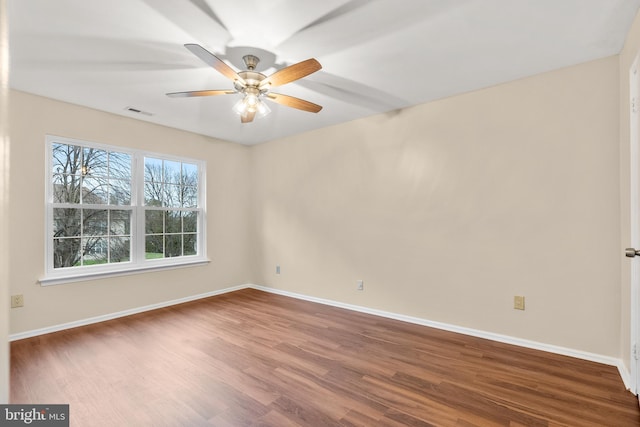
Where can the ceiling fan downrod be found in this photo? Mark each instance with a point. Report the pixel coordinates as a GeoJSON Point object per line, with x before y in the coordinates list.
{"type": "Point", "coordinates": [251, 61]}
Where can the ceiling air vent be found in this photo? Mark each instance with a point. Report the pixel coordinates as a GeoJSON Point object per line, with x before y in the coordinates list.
{"type": "Point", "coordinates": [138, 111]}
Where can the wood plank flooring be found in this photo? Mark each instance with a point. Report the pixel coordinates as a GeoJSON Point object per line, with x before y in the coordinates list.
{"type": "Point", "coordinates": [251, 358]}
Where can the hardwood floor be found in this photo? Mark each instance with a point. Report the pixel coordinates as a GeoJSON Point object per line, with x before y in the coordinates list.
{"type": "Point", "coordinates": [250, 358]}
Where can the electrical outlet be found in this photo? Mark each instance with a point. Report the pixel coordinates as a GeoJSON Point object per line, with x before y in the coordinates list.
{"type": "Point", "coordinates": [277, 269]}
{"type": "Point", "coordinates": [360, 285]}
{"type": "Point", "coordinates": [17, 301]}
{"type": "Point", "coordinates": [518, 302]}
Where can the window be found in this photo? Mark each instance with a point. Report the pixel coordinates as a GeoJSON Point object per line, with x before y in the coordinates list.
{"type": "Point", "coordinates": [171, 214]}
{"type": "Point", "coordinates": [112, 210]}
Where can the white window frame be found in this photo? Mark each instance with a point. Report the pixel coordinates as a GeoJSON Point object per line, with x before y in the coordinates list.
{"type": "Point", "coordinates": [138, 263]}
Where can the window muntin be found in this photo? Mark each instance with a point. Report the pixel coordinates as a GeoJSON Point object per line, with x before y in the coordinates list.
{"type": "Point", "coordinates": [114, 209]}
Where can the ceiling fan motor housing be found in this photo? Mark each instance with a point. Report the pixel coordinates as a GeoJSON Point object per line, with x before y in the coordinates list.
{"type": "Point", "coordinates": [252, 79]}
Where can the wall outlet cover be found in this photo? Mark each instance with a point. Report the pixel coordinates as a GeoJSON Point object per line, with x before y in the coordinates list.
{"type": "Point", "coordinates": [17, 301]}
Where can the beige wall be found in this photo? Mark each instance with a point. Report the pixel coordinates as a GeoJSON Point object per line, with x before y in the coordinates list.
{"type": "Point", "coordinates": [227, 195]}
{"type": "Point", "coordinates": [449, 209]}
{"type": "Point", "coordinates": [627, 56]}
{"type": "Point", "coordinates": [4, 206]}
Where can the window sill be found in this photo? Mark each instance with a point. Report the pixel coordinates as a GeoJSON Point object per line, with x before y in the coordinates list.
{"type": "Point", "coordinates": [59, 279]}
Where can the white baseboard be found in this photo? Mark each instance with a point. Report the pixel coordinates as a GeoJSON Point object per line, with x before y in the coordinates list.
{"type": "Point", "coordinates": [606, 360]}
{"type": "Point", "coordinates": [110, 316]}
{"type": "Point", "coordinates": [579, 354]}
{"type": "Point", "coordinates": [625, 375]}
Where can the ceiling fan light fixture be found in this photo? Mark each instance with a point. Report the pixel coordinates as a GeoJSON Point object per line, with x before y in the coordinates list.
{"type": "Point", "coordinates": [240, 107]}
{"type": "Point", "coordinates": [251, 103]}
{"type": "Point", "coordinates": [262, 109]}
{"type": "Point", "coordinates": [251, 100]}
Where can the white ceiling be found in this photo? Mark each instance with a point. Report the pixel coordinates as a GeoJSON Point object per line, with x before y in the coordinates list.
{"type": "Point", "coordinates": [377, 55]}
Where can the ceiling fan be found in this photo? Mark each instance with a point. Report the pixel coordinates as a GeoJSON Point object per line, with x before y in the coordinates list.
{"type": "Point", "coordinates": [255, 86]}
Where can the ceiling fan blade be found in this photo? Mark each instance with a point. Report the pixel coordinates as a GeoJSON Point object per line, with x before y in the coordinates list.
{"type": "Point", "coordinates": [247, 116]}
{"type": "Point", "coordinates": [200, 93]}
{"type": "Point", "coordinates": [292, 73]}
{"type": "Point", "coordinates": [293, 102]}
{"type": "Point", "coordinates": [217, 63]}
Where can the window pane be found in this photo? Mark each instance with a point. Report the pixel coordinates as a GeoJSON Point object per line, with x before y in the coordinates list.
{"type": "Point", "coordinates": [189, 222]}
{"type": "Point", "coordinates": [94, 222]}
{"type": "Point", "coordinates": [66, 222]}
{"type": "Point", "coordinates": [190, 197]}
{"type": "Point", "coordinates": [94, 162]}
{"type": "Point", "coordinates": [119, 166]}
{"type": "Point", "coordinates": [173, 245]}
{"type": "Point", "coordinates": [66, 188]}
{"type": "Point", "coordinates": [189, 174]}
{"type": "Point", "coordinates": [94, 190]}
{"type": "Point", "coordinates": [154, 247]}
{"type": "Point", "coordinates": [172, 172]}
{"type": "Point", "coordinates": [152, 169]}
{"type": "Point", "coordinates": [120, 249]}
{"type": "Point", "coordinates": [120, 224]}
{"type": "Point", "coordinates": [172, 196]}
{"type": "Point", "coordinates": [173, 222]}
{"type": "Point", "coordinates": [95, 251]}
{"type": "Point", "coordinates": [119, 192]}
{"type": "Point", "coordinates": [153, 194]}
{"type": "Point", "coordinates": [66, 252]}
{"type": "Point", "coordinates": [67, 159]}
{"type": "Point", "coordinates": [154, 222]}
{"type": "Point", "coordinates": [190, 244]}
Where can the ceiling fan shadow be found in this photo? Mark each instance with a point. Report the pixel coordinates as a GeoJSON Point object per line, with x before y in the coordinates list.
{"type": "Point", "coordinates": [206, 9]}
{"type": "Point", "coordinates": [352, 92]}
{"type": "Point", "coordinates": [66, 52]}
{"type": "Point", "coordinates": [108, 66]}
{"type": "Point", "coordinates": [360, 22]}
{"type": "Point", "coordinates": [338, 12]}
{"type": "Point", "coordinates": [195, 18]}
